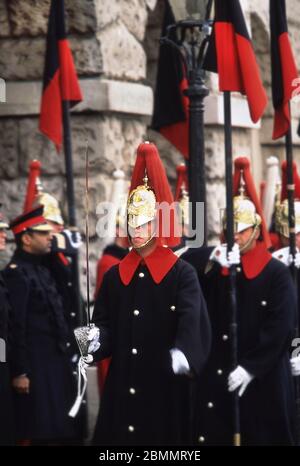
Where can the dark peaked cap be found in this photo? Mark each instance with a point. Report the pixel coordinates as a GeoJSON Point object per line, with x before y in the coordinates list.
{"type": "Point", "coordinates": [32, 220]}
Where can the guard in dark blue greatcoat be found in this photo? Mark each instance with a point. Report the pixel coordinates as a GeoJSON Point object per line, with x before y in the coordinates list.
{"type": "Point", "coordinates": [153, 322]}
{"type": "Point", "coordinates": [42, 378]}
{"type": "Point", "coordinates": [266, 309]}
{"type": "Point", "coordinates": [64, 248]}
{"type": "Point", "coordinates": [6, 417]}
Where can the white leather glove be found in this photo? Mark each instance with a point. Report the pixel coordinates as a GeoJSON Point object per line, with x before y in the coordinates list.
{"type": "Point", "coordinates": [239, 378]}
{"type": "Point", "coordinates": [219, 254]}
{"type": "Point", "coordinates": [93, 337]}
{"type": "Point", "coordinates": [295, 366]}
{"type": "Point", "coordinates": [284, 256]}
{"type": "Point", "coordinates": [86, 360]}
{"type": "Point", "coordinates": [234, 256]}
{"type": "Point", "coordinates": [180, 364]}
{"type": "Point", "coordinates": [74, 238]}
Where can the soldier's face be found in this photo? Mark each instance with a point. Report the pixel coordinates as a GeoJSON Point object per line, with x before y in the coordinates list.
{"type": "Point", "coordinates": [246, 240]}
{"type": "Point", "coordinates": [2, 240]}
{"type": "Point", "coordinates": [141, 235]}
{"type": "Point", "coordinates": [38, 242]}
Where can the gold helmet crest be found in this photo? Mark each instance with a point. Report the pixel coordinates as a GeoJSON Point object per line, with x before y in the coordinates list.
{"type": "Point", "coordinates": [141, 205]}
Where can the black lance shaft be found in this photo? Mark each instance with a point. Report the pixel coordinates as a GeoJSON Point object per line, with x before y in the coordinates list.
{"type": "Point", "coordinates": [196, 92]}
{"type": "Point", "coordinates": [71, 204]}
{"type": "Point", "coordinates": [292, 241]}
{"type": "Point", "coordinates": [232, 270]}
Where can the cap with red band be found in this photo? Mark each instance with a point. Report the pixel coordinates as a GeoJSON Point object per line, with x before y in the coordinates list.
{"type": "Point", "coordinates": [32, 220]}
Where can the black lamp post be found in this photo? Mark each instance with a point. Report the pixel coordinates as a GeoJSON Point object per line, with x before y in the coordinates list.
{"type": "Point", "coordinates": [190, 38]}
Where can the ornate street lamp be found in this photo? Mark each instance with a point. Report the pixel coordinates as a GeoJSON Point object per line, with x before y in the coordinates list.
{"type": "Point", "coordinates": [190, 38]}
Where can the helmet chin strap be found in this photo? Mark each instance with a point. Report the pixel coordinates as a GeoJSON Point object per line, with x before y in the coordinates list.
{"type": "Point", "coordinates": [250, 239]}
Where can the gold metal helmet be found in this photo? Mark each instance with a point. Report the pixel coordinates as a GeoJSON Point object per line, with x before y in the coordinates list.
{"type": "Point", "coordinates": [244, 212]}
{"type": "Point", "coordinates": [52, 211]}
{"type": "Point", "coordinates": [282, 218]}
{"type": "Point", "coordinates": [141, 205]}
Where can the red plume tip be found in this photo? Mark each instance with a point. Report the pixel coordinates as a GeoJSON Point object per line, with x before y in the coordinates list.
{"type": "Point", "coordinates": [181, 168]}
{"type": "Point", "coordinates": [241, 163]}
{"type": "Point", "coordinates": [35, 164]}
{"type": "Point", "coordinates": [146, 148]}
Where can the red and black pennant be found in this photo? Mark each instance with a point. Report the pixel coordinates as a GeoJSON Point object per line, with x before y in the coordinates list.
{"type": "Point", "coordinates": [230, 54]}
{"type": "Point", "coordinates": [170, 115]}
{"type": "Point", "coordinates": [60, 79]}
{"type": "Point", "coordinates": [284, 70]}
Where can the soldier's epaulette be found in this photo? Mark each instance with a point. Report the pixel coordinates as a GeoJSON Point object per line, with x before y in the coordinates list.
{"type": "Point", "coordinates": [16, 271]}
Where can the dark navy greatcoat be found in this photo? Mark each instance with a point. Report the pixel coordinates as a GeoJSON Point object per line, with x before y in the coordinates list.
{"type": "Point", "coordinates": [266, 309]}
{"type": "Point", "coordinates": [39, 348]}
{"type": "Point", "coordinates": [143, 311]}
{"type": "Point", "coordinates": [6, 416]}
{"type": "Point", "coordinates": [112, 255]}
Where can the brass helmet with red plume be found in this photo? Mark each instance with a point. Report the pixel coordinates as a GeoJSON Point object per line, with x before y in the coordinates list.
{"type": "Point", "coordinates": [247, 209]}
{"type": "Point", "coordinates": [36, 196]}
{"type": "Point", "coordinates": [150, 190]}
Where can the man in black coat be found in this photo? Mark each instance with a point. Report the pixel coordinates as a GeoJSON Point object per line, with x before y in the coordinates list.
{"type": "Point", "coordinates": [41, 372]}
{"type": "Point", "coordinates": [64, 250]}
{"type": "Point", "coordinates": [6, 417]}
{"type": "Point", "coordinates": [153, 322]}
{"type": "Point", "coordinates": [284, 255]}
{"type": "Point", "coordinates": [265, 321]}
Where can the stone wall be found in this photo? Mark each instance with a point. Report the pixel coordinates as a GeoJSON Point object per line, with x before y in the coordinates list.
{"type": "Point", "coordinates": [115, 45]}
